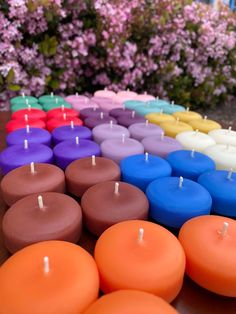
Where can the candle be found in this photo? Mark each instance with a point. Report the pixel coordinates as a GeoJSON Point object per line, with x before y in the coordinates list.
{"type": "Point", "coordinates": [32, 113]}
{"type": "Point", "coordinates": [130, 301]}
{"type": "Point", "coordinates": [62, 121]}
{"type": "Point", "coordinates": [73, 99]}
{"type": "Point", "coordinates": [209, 245]}
{"type": "Point", "coordinates": [22, 154]}
{"type": "Point", "coordinates": [118, 149]}
{"type": "Point", "coordinates": [133, 104]}
{"type": "Point", "coordinates": [55, 105]}
{"type": "Point", "coordinates": [147, 109]}
{"type": "Point", "coordinates": [91, 112]}
{"type": "Point", "coordinates": [104, 93]}
{"type": "Point", "coordinates": [70, 150]}
{"type": "Point", "coordinates": [222, 136]}
{"type": "Point", "coordinates": [147, 254]}
{"type": "Point", "coordinates": [117, 112]}
{"type": "Point", "coordinates": [107, 131]}
{"type": "Point", "coordinates": [45, 99]}
{"type": "Point", "coordinates": [32, 135]}
{"type": "Point", "coordinates": [204, 125]}
{"type": "Point", "coordinates": [22, 99]}
{"type": "Point", "coordinates": [108, 203]}
{"type": "Point", "coordinates": [139, 131]}
{"type": "Point", "coordinates": [68, 132]}
{"type": "Point", "coordinates": [59, 112]}
{"type": "Point", "coordinates": [160, 145]}
{"type": "Point", "coordinates": [26, 105]}
{"type": "Point", "coordinates": [158, 102]}
{"type": "Point", "coordinates": [187, 116]}
{"type": "Point", "coordinates": [47, 277]}
{"type": "Point", "coordinates": [173, 128]}
{"type": "Point", "coordinates": [30, 179]}
{"type": "Point", "coordinates": [221, 185]}
{"type": "Point", "coordinates": [83, 173]}
{"type": "Point", "coordinates": [15, 124]}
{"type": "Point", "coordinates": [127, 94]}
{"type": "Point", "coordinates": [91, 122]}
{"type": "Point", "coordinates": [223, 156]}
{"type": "Point", "coordinates": [107, 104]}
{"type": "Point", "coordinates": [140, 170]}
{"type": "Point", "coordinates": [195, 140]}
{"type": "Point", "coordinates": [158, 118]}
{"type": "Point", "coordinates": [175, 200]}
{"type": "Point", "coordinates": [189, 164]}
{"type": "Point", "coordinates": [172, 108]}
{"type": "Point", "coordinates": [83, 104]}
{"type": "Point", "coordinates": [144, 97]}
{"type": "Point", "coordinates": [131, 119]}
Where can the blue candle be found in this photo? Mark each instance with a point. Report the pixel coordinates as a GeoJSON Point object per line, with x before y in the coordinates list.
{"type": "Point", "coordinates": [22, 154]}
{"type": "Point", "coordinates": [189, 164]}
{"type": "Point", "coordinates": [68, 132]}
{"type": "Point", "coordinates": [146, 109]}
{"type": "Point", "coordinates": [173, 108]}
{"type": "Point", "coordinates": [221, 185]}
{"type": "Point", "coordinates": [175, 200]}
{"type": "Point", "coordinates": [140, 170]}
{"type": "Point", "coordinates": [33, 135]}
{"type": "Point", "coordinates": [159, 103]}
{"type": "Point", "coordinates": [133, 104]}
{"type": "Point", "coordinates": [68, 151]}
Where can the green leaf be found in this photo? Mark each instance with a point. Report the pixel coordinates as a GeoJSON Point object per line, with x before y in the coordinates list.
{"type": "Point", "coordinates": [14, 87]}
{"type": "Point", "coordinates": [10, 76]}
{"type": "Point", "coordinates": [1, 79]}
{"type": "Point", "coordinates": [54, 84]}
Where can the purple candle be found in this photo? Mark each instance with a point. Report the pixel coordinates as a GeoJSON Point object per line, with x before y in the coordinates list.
{"type": "Point", "coordinates": [139, 131]}
{"type": "Point", "coordinates": [118, 149]}
{"type": "Point", "coordinates": [32, 135]}
{"type": "Point", "coordinates": [68, 151]}
{"type": "Point", "coordinates": [117, 112]}
{"type": "Point", "coordinates": [22, 154]}
{"type": "Point", "coordinates": [108, 131]}
{"type": "Point", "coordinates": [130, 119]}
{"type": "Point", "coordinates": [91, 112]}
{"type": "Point", "coordinates": [68, 132]}
{"type": "Point", "coordinates": [161, 145]}
{"type": "Point", "coordinates": [91, 122]}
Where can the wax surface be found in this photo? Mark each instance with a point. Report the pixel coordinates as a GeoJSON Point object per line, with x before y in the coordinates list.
{"type": "Point", "coordinates": [204, 125]}
{"type": "Point", "coordinates": [144, 97]}
{"type": "Point", "coordinates": [158, 118]}
{"type": "Point", "coordinates": [34, 135]}
{"type": "Point", "coordinates": [147, 109]}
{"type": "Point", "coordinates": [71, 99]}
{"type": "Point", "coordinates": [92, 122]}
{"type": "Point", "coordinates": [72, 271]}
{"type": "Point", "coordinates": [139, 131]}
{"type": "Point", "coordinates": [172, 205]}
{"type": "Point", "coordinates": [173, 128]}
{"type": "Point", "coordinates": [195, 140]}
{"type": "Point", "coordinates": [82, 174]}
{"type": "Point", "coordinates": [139, 171]}
{"type": "Point", "coordinates": [117, 112]}
{"type": "Point", "coordinates": [154, 264]}
{"type": "Point", "coordinates": [132, 104]}
{"type": "Point", "coordinates": [170, 109]}
{"type": "Point", "coordinates": [45, 99]}
{"type": "Point", "coordinates": [222, 189]}
{"type": "Point", "coordinates": [210, 255]}
{"type": "Point", "coordinates": [130, 301]}
{"type": "Point", "coordinates": [104, 93]}
{"type": "Point", "coordinates": [222, 136]}
{"type": "Point", "coordinates": [15, 124]}
{"type": "Point", "coordinates": [186, 116]}
{"type": "Point", "coordinates": [57, 122]}
{"type": "Point", "coordinates": [107, 131]}
{"type": "Point", "coordinates": [50, 106]}
{"type": "Point", "coordinates": [21, 182]}
{"type": "Point", "coordinates": [223, 156]}
{"type": "Point", "coordinates": [32, 113]}
{"type": "Point", "coordinates": [59, 112]}
{"type": "Point", "coordinates": [66, 132]}
{"type": "Point", "coordinates": [102, 207]}
{"type": "Point", "coordinates": [22, 99]}
{"type": "Point", "coordinates": [91, 112]}
{"type": "Point", "coordinates": [17, 107]}
{"type": "Point", "coordinates": [189, 164]}
{"type": "Point", "coordinates": [129, 120]}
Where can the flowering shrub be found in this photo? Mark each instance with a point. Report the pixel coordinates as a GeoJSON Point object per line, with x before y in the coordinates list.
{"type": "Point", "coordinates": [176, 49]}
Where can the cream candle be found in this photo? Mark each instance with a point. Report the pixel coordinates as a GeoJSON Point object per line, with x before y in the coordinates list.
{"type": "Point", "coordinates": [195, 140]}
{"type": "Point", "coordinates": [223, 156]}
{"type": "Point", "coordinates": [223, 136]}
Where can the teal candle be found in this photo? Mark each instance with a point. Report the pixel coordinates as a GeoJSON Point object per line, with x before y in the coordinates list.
{"type": "Point", "coordinates": [170, 109]}
{"type": "Point", "coordinates": [22, 100]}
{"type": "Point", "coordinates": [133, 104]}
{"type": "Point", "coordinates": [50, 98]}
{"type": "Point", "coordinates": [146, 109]}
{"type": "Point", "coordinates": [19, 106]}
{"type": "Point", "coordinates": [51, 105]}
{"type": "Point", "coordinates": [158, 103]}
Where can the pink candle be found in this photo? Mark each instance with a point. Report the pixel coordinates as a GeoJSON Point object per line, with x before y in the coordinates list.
{"type": "Point", "coordinates": [104, 93]}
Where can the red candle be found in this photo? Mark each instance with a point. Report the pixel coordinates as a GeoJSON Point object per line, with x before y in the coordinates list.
{"type": "Point", "coordinates": [32, 113]}
{"type": "Point", "coordinates": [64, 120]}
{"type": "Point", "coordinates": [15, 124]}
{"type": "Point", "coordinates": [59, 112]}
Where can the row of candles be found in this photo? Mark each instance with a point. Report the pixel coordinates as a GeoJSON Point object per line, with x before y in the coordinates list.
{"type": "Point", "coordinates": [131, 252]}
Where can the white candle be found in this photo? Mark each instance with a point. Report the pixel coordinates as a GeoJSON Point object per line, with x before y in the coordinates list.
{"type": "Point", "coordinates": [224, 136]}
{"type": "Point", "coordinates": [195, 140]}
{"type": "Point", "coordinates": [223, 155]}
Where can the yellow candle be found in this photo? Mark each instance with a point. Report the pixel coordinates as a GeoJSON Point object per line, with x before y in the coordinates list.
{"type": "Point", "coordinates": [173, 128]}
{"type": "Point", "coordinates": [158, 118]}
{"type": "Point", "coordinates": [204, 125]}
{"type": "Point", "coordinates": [186, 116]}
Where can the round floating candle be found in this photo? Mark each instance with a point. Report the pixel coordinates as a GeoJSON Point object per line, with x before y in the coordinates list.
{"type": "Point", "coordinates": [30, 179]}
{"type": "Point", "coordinates": [222, 136]}
{"type": "Point", "coordinates": [161, 145]}
{"type": "Point", "coordinates": [118, 149]}
{"type": "Point", "coordinates": [158, 118]}
{"type": "Point", "coordinates": [70, 150]}
{"type": "Point", "coordinates": [140, 170]}
{"type": "Point", "coordinates": [209, 244]}
{"type": "Point", "coordinates": [223, 156]}
{"type": "Point", "coordinates": [108, 203]}
{"type": "Point", "coordinates": [158, 102]}
{"type": "Point", "coordinates": [22, 99]}
{"type": "Point", "coordinates": [22, 154]}
{"type": "Point", "coordinates": [32, 113]}
{"type": "Point", "coordinates": [56, 105]}
{"type": "Point", "coordinates": [186, 116]}
{"type": "Point", "coordinates": [175, 200]}
{"type": "Point", "coordinates": [73, 99]}
{"type": "Point", "coordinates": [47, 277]}
{"type": "Point", "coordinates": [189, 164]}
{"type": "Point", "coordinates": [32, 135]}
{"type": "Point", "coordinates": [45, 99]}
{"type": "Point", "coordinates": [59, 112]}
{"type": "Point", "coordinates": [107, 131]}
{"type": "Point", "coordinates": [127, 94]}
{"type": "Point", "coordinates": [139, 131]}
{"type": "Point", "coordinates": [131, 119]}
{"type": "Point", "coordinates": [133, 104]}
{"type": "Point", "coordinates": [130, 301]}
{"type": "Point", "coordinates": [144, 97]}
{"type": "Point", "coordinates": [68, 132]}
{"type": "Point", "coordinates": [104, 93]}
{"type": "Point", "coordinates": [83, 173]}
{"type": "Point", "coordinates": [222, 187]}
{"type": "Point", "coordinates": [49, 216]}
{"type": "Point", "coordinates": [85, 104]}
{"type": "Point", "coordinates": [62, 121]}
{"type": "Point", "coordinates": [16, 124]}
{"type": "Point", "coordinates": [109, 105]}
{"type": "Point", "coordinates": [117, 112]}
{"type": "Point", "coordinates": [170, 109]}
{"type": "Point", "coordinates": [195, 140]}
{"type": "Point", "coordinates": [91, 122]}
{"type": "Point", "coordinates": [204, 125]}
{"type": "Point", "coordinates": [146, 253]}
{"type": "Point", "coordinates": [173, 128]}
{"type": "Point", "coordinates": [147, 109]}
{"type": "Point", "coordinates": [17, 107]}
{"type": "Point", "coordinates": [91, 112]}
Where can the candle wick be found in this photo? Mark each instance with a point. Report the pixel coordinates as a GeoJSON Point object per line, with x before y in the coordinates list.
{"type": "Point", "coordinates": [145, 93]}
{"type": "Point", "coordinates": [172, 103]}
{"type": "Point", "coordinates": [105, 88]}
{"type": "Point", "coordinates": [177, 120]}
{"type": "Point", "coordinates": [94, 108]}
{"type": "Point", "coordinates": [52, 94]}
{"type": "Point", "coordinates": [146, 157]}
{"type": "Point", "coordinates": [76, 94]}
{"type": "Point", "coordinates": [27, 128]}
{"type": "Point", "coordinates": [62, 107]}
{"type": "Point", "coordinates": [162, 136]}
{"type": "Point", "coordinates": [26, 146]}
{"type": "Point", "coordinates": [157, 97]}
{"type": "Point", "coordinates": [230, 129]}
{"type": "Point", "coordinates": [117, 185]}
{"type": "Point", "coordinates": [127, 89]}
{"type": "Point", "coordinates": [23, 95]}
{"type": "Point", "coordinates": [29, 107]}
{"type": "Point", "coordinates": [101, 115]}
{"type": "Point", "coordinates": [111, 124]}
{"type": "Point", "coordinates": [27, 102]}
{"type": "Point", "coordinates": [26, 118]}
{"type": "Point", "coordinates": [56, 100]}
{"type": "Point", "coordinates": [32, 167]}
{"type": "Point", "coordinates": [133, 114]}
{"type": "Point", "coordinates": [230, 173]}
{"type": "Point", "coordinates": [40, 202]}
{"type": "Point", "coordinates": [46, 265]}
{"type": "Point", "coordinates": [161, 111]}
{"type": "Point", "coordinates": [181, 180]}
{"type": "Point", "coordinates": [64, 116]}
{"type": "Point", "coordinates": [93, 160]}
{"type": "Point", "coordinates": [72, 124]}
{"type": "Point", "coordinates": [140, 235]}
{"type": "Point", "coordinates": [123, 138]}
{"type": "Point", "coordinates": [77, 140]}
{"type": "Point", "coordinates": [146, 123]}
{"type": "Point", "coordinates": [205, 118]}
{"type": "Point", "coordinates": [187, 109]}
{"type": "Point", "coordinates": [196, 132]}
{"type": "Point", "coordinates": [224, 229]}
{"type": "Point", "coordinates": [193, 153]}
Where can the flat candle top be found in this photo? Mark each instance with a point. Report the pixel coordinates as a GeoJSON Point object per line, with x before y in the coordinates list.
{"type": "Point", "coordinates": [187, 116]}
{"type": "Point", "coordinates": [221, 150]}
{"type": "Point", "coordinates": [159, 141]}
{"type": "Point", "coordinates": [119, 144]}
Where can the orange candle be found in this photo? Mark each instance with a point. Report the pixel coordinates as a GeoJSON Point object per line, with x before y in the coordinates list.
{"type": "Point", "coordinates": [209, 243]}
{"type": "Point", "coordinates": [48, 277]}
{"type": "Point", "coordinates": [140, 255]}
{"type": "Point", "coordinates": [130, 302]}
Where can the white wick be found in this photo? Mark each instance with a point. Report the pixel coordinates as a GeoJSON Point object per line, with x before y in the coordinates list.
{"type": "Point", "coordinates": [32, 168]}
{"type": "Point", "coordinates": [93, 160]}
{"type": "Point", "coordinates": [187, 109]}
{"type": "Point", "coordinates": [117, 185]}
{"type": "Point", "coordinates": [205, 118]}
{"type": "Point", "coordinates": [27, 102]}
{"type": "Point", "coordinates": [196, 132]}
{"type": "Point", "coordinates": [26, 118]}
{"type": "Point", "coordinates": [127, 89]}
{"type": "Point", "coordinates": [133, 114]}
{"type": "Point", "coordinates": [56, 100]}
{"type": "Point", "coordinates": [172, 103]}
{"type": "Point", "coordinates": [230, 129]}
{"type": "Point", "coordinates": [145, 93]}
{"type": "Point", "coordinates": [161, 111]}
{"type": "Point", "coordinates": [64, 116]}
{"type": "Point", "coordinates": [46, 265]}
{"type": "Point", "coordinates": [23, 94]}
{"type": "Point", "coordinates": [123, 138]}
{"type": "Point", "coordinates": [26, 146]}
{"type": "Point", "coordinates": [157, 98]}
{"type": "Point", "coordinates": [193, 153]}
{"type": "Point", "coordinates": [27, 128]}
{"type": "Point", "coordinates": [140, 234]}
{"type": "Point", "coordinates": [177, 120]}
{"type": "Point", "coordinates": [230, 173]}
{"type": "Point", "coordinates": [40, 202]}
{"type": "Point", "coordinates": [105, 88]}
{"type": "Point", "coordinates": [146, 157]}
{"type": "Point", "coordinates": [29, 107]}
{"type": "Point", "coordinates": [72, 124]}
{"type": "Point", "coordinates": [77, 140]}
{"type": "Point", "coordinates": [94, 108]}
{"type": "Point", "coordinates": [101, 115]}
{"type": "Point", "coordinates": [181, 180]}
{"type": "Point", "coordinates": [162, 136]}
{"type": "Point", "coordinates": [111, 124]}
{"type": "Point", "coordinates": [52, 94]}
{"type": "Point", "coordinates": [76, 94]}
{"type": "Point", "coordinates": [62, 107]}
{"type": "Point", "coordinates": [224, 229]}
{"type": "Point", "coordinates": [146, 123]}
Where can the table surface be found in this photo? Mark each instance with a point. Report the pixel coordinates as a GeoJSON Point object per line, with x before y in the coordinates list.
{"type": "Point", "coordinates": [192, 298]}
